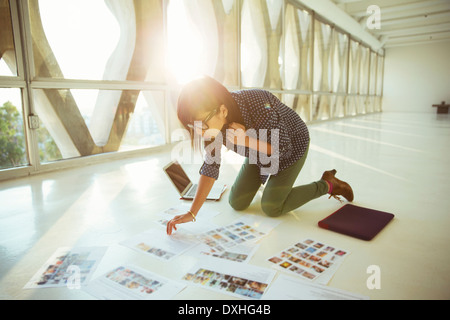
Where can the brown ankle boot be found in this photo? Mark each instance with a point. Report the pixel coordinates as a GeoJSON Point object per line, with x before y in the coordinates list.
{"type": "Point", "coordinates": [339, 188]}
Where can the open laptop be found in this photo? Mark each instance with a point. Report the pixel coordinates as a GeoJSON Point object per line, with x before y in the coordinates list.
{"type": "Point", "coordinates": [184, 185]}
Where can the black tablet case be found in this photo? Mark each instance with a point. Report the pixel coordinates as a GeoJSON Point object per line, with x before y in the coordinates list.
{"type": "Point", "coordinates": [358, 222]}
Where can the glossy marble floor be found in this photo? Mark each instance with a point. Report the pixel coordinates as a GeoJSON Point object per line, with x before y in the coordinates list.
{"type": "Point", "coordinates": [395, 162]}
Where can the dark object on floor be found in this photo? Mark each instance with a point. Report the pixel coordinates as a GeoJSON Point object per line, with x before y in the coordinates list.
{"type": "Point", "coordinates": [358, 222]}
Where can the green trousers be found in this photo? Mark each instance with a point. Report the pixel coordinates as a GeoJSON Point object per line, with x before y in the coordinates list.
{"type": "Point", "coordinates": [279, 195]}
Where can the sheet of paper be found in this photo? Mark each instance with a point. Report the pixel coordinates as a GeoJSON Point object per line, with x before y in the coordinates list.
{"type": "Point", "coordinates": [202, 224]}
{"type": "Point", "coordinates": [248, 228]}
{"type": "Point", "coordinates": [67, 267]}
{"type": "Point", "coordinates": [133, 283]}
{"type": "Point", "coordinates": [292, 288]}
{"type": "Point", "coordinates": [204, 213]}
{"type": "Point", "coordinates": [240, 253]}
{"type": "Point", "coordinates": [158, 244]}
{"type": "Point", "coordinates": [261, 223]}
{"type": "Point", "coordinates": [310, 260]}
{"type": "Point", "coordinates": [236, 279]}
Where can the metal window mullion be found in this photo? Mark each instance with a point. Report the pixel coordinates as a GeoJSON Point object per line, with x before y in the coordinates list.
{"type": "Point", "coordinates": [28, 69]}
{"type": "Point", "coordinates": [22, 81]}
{"type": "Point", "coordinates": [17, 82]}
{"type": "Point", "coordinates": [11, 82]}
{"type": "Point", "coordinates": [49, 83]}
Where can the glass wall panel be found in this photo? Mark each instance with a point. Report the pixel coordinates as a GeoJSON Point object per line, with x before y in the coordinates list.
{"type": "Point", "coordinates": [354, 67]}
{"type": "Point", "coordinates": [297, 60]}
{"type": "Point", "coordinates": [254, 57]}
{"type": "Point", "coordinates": [364, 71]}
{"type": "Point", "coordinates": [372, 73]}
{"type": "Point", "coordinates": [203, 39]}
{"type": "Point", "coordinates": [48, 149]}
{"type": "Point", "coordinates": [380, 75]}
{"type": "Point", "coordinates": [377, 104]}
{"type": "Point", "coordinates": [361, 104]}
{"type": "Point", "coordinates": [12, 138]}
{"type": "Point", "coordinates": [300, 103]}
{"type": "Point", "coordinates": [8, 63]}
{"type": "Point", "coordinates": [227, 13]}
{"type": "Point", "coordinates": [370, 105]}
{"type": "Point", "coordinates": [145, 128]}
{"type": "Point", "coordinates": [274, 22]}
{"type": "Point", "coordinates": [323, 67]}
{"type": "Point", "coordinates": [73, 121]}
{"type": "Point", "coordinates": [351, 105]}
{"type": "Point", "coordinates": [340, 52]}
{"type": "Point", "coordinates": [323, 106]}
{"type": "Point", "coordinates": [340, 106]}
{"type": "Point", "coordinates": [98, 40]}
{"type": "Point", "coordinates": [261, 33]}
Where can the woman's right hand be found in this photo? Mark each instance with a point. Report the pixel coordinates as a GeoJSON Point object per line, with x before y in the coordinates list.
{"type": "Point", "coordinates": [205, 185]}
{"type": "Point", "coordinates": [183, 218]}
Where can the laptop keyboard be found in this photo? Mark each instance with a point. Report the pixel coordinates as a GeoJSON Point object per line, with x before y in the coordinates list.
{"type": "Point", "coordinates": [192, 191]}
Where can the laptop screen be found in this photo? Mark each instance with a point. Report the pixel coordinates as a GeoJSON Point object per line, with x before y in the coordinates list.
{"type": "Point", "coordinates": [178, 176]}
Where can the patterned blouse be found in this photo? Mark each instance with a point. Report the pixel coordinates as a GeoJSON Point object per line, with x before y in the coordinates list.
{"type": "Point", "coordinates": [265, 118]}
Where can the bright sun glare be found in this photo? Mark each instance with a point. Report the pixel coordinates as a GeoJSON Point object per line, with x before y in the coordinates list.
{"type": "Point", "coordinates": [186, 54]}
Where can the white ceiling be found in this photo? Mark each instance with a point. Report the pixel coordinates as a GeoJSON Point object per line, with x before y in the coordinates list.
{"type": "Point", "coordinates": [402, 22]}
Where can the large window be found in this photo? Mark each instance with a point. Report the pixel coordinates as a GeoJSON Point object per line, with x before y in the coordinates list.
{"type": "Point", "coordinates": [81, 36]}
{"type": "Point", "coordinates": [102, 41]}
{"type": "Point", "coordinates": [86, 77]}
{"type": "Point", "coordinates": [13, 141]}
{"type": "Point", "coordinates": [92, 131]}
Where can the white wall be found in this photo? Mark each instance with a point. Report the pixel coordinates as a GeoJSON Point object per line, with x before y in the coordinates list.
{"type": "Point", "coordinates": [416, 77]}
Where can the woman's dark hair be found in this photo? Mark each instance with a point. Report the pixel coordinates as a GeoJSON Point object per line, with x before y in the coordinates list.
{"type": "Point", "coordinates": [205, 95]}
